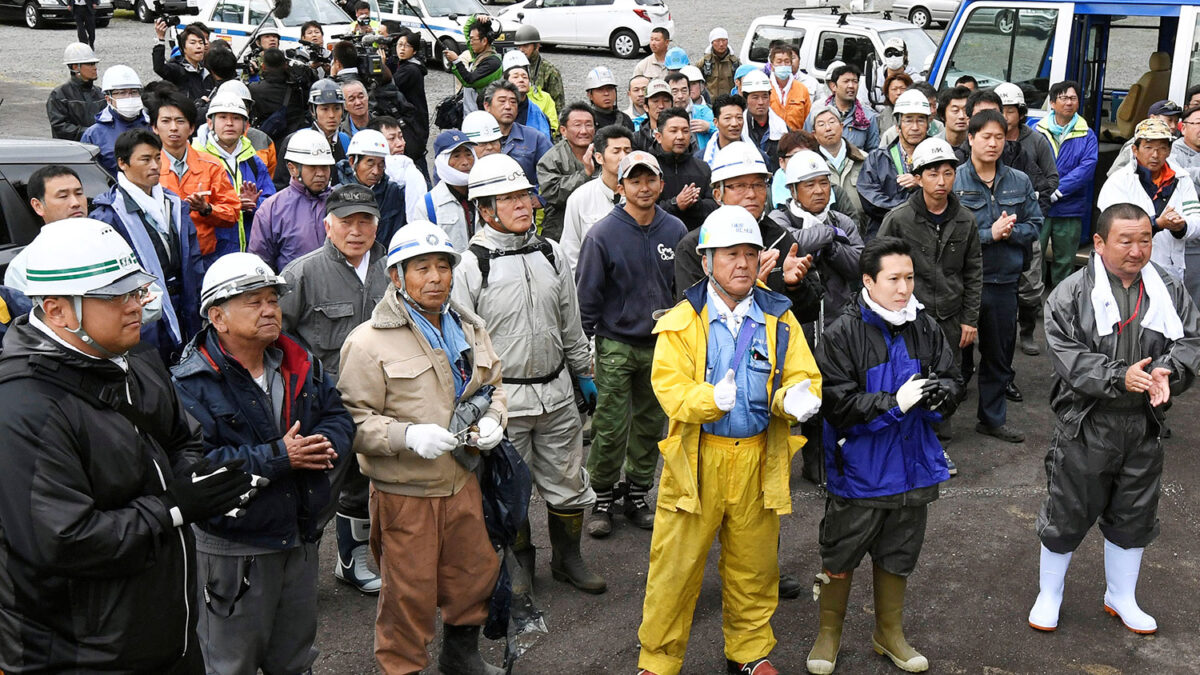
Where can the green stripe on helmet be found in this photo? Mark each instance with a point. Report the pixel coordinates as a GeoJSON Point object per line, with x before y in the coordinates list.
{"type": "Point", "coordinates": [74, 272]}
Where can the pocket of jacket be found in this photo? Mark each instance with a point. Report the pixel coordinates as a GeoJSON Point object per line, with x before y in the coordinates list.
{"type": "Point", "coordinates": [972, 199]}
{"type": "Point", "coordinates": [335, 328]}
{"type": "Point", "coordinates": [407, 368]}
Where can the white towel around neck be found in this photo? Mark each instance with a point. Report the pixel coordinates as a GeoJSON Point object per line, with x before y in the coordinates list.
{"type": "Point", "coordinates": [1159, 316]}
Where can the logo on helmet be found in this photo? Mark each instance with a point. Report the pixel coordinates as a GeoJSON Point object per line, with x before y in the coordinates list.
{"type": "Point", "coordinates": [431, 239]}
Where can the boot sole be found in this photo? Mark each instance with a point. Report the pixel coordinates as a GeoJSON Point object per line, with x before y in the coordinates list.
{"type": "Point", "coordinates": [1044, 629]}
{"type": "Point", "coordinates": [902, 665]}
{"type": "Point", "coordinates": [566, 579]}
{"type": "Point", "coordinates": [1113, 612]}
{"type": "Point", "coordinates": [820, 666]}
{"type": "Point", "coordinates": [356, 587]}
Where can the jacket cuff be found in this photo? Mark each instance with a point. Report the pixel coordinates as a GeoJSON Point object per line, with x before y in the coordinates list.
{"type": "Point", "coordinates": [397, 440]}
{"type": "Point", "coordinates": [280, 463]}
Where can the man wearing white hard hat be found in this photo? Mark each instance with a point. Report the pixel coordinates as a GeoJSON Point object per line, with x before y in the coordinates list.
{"type": "Point", "coordinates": [600, 85]}
{"type": "Point", "coordinates": [734, 373]}
{"type": "Point", "coordinates": [263, 145]}
{"type": "Point", "coordinates": [524, 288]}
{"type": "Point", "coordinates": [258, 572]}
{"type": "Point", "coordinates": [483, 131]}
{"type": "Point", "coordinates": [103, 472]}
{"type": "Point", "coordinates": [123, 93]}
{"type": "Point", "coordinates": [289, 224]}
{"type": "Point", "coordinates": [763, 127]}
{"type": "Point", "coordinates": [886, 179]}
{"type": "Point", "coordinates": [366, 164]}
{"type": "Point", "coordinates": [226, 141]}
{"type": "Point", "coordinates": [402, 374]}
{"type": "Point", "coordinates": [535, 108]}
{"type": "Point", "coordinates": [719, 63]}
{"type": "Point", "coordinates": [73, 105]}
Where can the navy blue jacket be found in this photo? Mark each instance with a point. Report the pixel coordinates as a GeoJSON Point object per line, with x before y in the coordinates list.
{"type": "Point", "coordinates": [13, 304]}
{"type": "Point", "coordinates": [626, 273]}
{"type": "Point", "coordinates": [863, 362]}
{"type": "Point", "coordinates": [1012, 192]}
{"type": "Point", "coordinates": [235, 415]}
{"type": "Point", "coordinates": [389, 197]}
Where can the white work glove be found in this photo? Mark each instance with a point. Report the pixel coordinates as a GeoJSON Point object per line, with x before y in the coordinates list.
{"type": "Point", "coordinates": [800, 402]}
{"type": "Point", "coordinates": [725, 392]}
{"type": "Point", "coordinates": [910, 393]}
{"type": "Point", "coordinates": [429, 440]}
{"type": "Point", "coordinates": [490, 433]}
{"type": "Point", "coordinates": [1056, 196]}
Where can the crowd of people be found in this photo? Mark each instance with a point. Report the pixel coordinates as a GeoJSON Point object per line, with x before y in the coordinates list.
{"type": "Point", "coordinates": [281, 314]}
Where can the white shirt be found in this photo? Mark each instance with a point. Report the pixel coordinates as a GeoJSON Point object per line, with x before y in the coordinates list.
{"type": "Point", "coordinates": [401, 170]}
{"type": "Point", "coordinates": [586, 205]}
{"type": "Point", "coordinates": [363, 266]}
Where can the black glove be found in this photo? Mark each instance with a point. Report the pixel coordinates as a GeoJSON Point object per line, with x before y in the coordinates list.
{"type": "Point", "coordinates": [217, 491]}
{"type": "Point", "coordinates": [934, 394]}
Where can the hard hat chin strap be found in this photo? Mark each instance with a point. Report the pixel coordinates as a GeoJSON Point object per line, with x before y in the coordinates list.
{"type": "Point", "coordinates": [403, 290]}
{"type": "Point", "coordinates": [708, 255]}
{"type": "Point", "coordinates": [82, 334]}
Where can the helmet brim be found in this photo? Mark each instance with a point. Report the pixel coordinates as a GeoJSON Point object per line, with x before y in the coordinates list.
{"type": "Point", "coordinates": [126, 284]}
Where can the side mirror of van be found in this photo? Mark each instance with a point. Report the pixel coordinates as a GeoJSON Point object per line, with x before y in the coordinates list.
{"type": "Point", "coordinates": [520, 16]}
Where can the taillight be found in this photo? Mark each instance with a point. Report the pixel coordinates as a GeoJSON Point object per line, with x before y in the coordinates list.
{"type": "Point", "coordinates": [642, 13]}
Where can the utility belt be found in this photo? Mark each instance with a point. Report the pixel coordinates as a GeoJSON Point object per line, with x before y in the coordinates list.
{"type": "Point", "coordinates": [537, 380]}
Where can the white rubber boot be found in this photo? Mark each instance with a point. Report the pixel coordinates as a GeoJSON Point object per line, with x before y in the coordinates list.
{"type": "Point", "coordinates": [1121, 567]}
{"type": "Point", "coordinates": [1052, 576]}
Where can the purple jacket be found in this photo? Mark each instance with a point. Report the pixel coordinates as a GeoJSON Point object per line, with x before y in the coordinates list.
{"type": "Point", "coordinates": [288, 224]}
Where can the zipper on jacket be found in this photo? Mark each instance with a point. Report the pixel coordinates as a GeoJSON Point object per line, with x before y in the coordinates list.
{"type": "Point", "coordinates": [187, 606]}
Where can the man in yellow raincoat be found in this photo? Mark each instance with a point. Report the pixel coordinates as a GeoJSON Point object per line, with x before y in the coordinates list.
{"type": "Point", "coordinates": [733, 373]}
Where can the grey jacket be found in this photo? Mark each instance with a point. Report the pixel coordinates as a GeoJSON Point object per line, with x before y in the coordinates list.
{"type": "Point", "coordinates": [835, 248]}
{"type": "Point", "coordinates": [948, 264]}
{"type": "Point", "coordinates": [559, 174]}
{"type": "Point", "coordinates": [326, 300]}
{"type": "Point", "coordinates": [1086, 369]}
{"type": "Point", "coordinates": [532, 314]}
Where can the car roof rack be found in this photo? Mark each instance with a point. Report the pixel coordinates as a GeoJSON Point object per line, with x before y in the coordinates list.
{"type": "Point", "coordinates": [843, 14]}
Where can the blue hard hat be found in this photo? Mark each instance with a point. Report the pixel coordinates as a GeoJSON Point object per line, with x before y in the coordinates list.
{"type": "Point", "coordinates": [742, 70]}
{"type": "Point", "coordinates": [676, 58]}
{"type": "Point", "coordinates": [449, 140]}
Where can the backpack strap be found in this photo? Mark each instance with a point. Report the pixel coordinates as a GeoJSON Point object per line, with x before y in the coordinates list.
{"type": "Point", "coordinates": [484, 255]}
{"type": "Point", "coordinates": [429, 207]}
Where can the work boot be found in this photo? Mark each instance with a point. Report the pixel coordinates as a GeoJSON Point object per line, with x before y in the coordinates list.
{"type": "Point", "coordinates": [889, 613]}
{"type": "Point", "coordinates": [756, 667]}
{"type": "Point", "coordinates": [834, 592]}
{"type": "Point", "coordinates": [1003, 432]}
{"type": "Point", "coordinates": [1028, 344]}
{"type": "Point", "coordinates": [460, 652]}
{"type": "Point", "coordinates": [790, 587]}
{"type": "Point", "coordinates": [1121, 568]}
{"type": "Point", "coordinates": [566, 562]}
{"type": "Point", "coordinates": [636, 509]}
{"type": "Point", "coordinates": [353, 535]}
{"type": "Point", "coordinates": [950, 466]}
{"type": "Point", "coordinates": [526, 555]}
{"type": "Point", "coordinates": [1052, 576]}
{"type": "Point", "coordinates": [600, 523]}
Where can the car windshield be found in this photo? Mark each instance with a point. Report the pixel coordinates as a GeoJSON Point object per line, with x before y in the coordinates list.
{"type": "Point", "coordinates": [920, 47]}
{"type": "Point", "coordinates": [463, 8]}
{"type": "Point", "coordinates": [324, 12]}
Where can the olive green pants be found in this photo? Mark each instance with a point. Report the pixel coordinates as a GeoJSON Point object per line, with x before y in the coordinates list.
{"type": "Point", "coordinates": [628, 423]}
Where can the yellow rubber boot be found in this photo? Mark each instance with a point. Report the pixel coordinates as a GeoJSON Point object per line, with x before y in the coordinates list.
{"type": "Point", "coordinates": [889, 633]}
{"type": "Point", "coordinates": [834, 594]}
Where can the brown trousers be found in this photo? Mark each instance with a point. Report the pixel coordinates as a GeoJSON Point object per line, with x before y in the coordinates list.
{"type": "Point", "coordinates": [432, 552]}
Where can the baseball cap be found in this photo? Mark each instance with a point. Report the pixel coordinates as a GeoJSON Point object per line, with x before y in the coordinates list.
{"type": "Point", "coordinates": [351, 198]}
{"type": "Point", "coordinates": [717, 33]}
{"type": "Point", "coordinates": [657, 87]}
{"type": "Point", "coordinates": [634, 159]}
{"type": "Point", "coordinates": [1167, 107]}
{"type": "Point", "coordinates": [894, 43]}
{"type": "Point", "coordinates": [1152, 130]}
{"type": "Point", "coordinates": [449, 140]}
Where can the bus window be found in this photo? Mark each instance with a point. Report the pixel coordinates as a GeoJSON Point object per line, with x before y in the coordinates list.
{"type": "Point", "coordinates": [1005, 45]}
{"type": "Point", "coordinates": [760, 44]}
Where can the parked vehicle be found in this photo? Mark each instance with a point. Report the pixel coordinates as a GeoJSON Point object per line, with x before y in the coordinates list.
{"type": "Point", "coordinates": [144, 9]}
{"type": "Point", "coordinates": [42, 13]}
{"type": "Point", "coordinates": [236, 20]}
{"type": "Point", "coordinates": [621, 26]}
{"type": "Point", "coordinates": [445, 17]}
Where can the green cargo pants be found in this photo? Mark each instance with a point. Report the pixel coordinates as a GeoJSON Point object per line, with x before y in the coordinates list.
{"type": "Point", "coordinates": [1063, 236]}
{"type": "Point", "coordinates": [628, 423]}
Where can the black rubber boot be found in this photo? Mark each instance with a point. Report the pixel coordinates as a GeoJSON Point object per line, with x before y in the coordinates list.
{"type": "Point", "coordinates": [600, 523]}
{"type": "Point", "coordinates": [460, 652]}
{"type": "Point", "coordinates": [636, 509]}
{"type": "Point", "coordinates": [1027, 323]}
{"type": "Point", "coordinates": [526, 554]}
{"type": "Point", "coordinates": [566, 562]}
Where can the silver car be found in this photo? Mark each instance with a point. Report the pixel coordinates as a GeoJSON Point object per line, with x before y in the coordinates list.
{"type": "Point", "coordinates": [926, 13]}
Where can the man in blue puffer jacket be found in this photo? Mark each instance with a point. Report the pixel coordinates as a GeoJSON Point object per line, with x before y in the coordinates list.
{"type": "Point", "coordinates": [366, 164]}
{"type": "Point", "coordinates": [262, 398]}
{"type": "Point", "coordinates": [888, 376]}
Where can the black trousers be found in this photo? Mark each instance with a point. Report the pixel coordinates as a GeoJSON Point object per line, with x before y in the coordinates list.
{"type": "Point", "coordinates": [996, 342]}
{"type": "Point", "coordinates": [893, 536]}
{"type": "Point", "coordinates": [85, 23]}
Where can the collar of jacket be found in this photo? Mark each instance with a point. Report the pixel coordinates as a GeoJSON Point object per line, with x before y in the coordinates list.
{"type": "Point", "coordinates": [24, 340]}
{"type": "Point", "coordinates": [107, 116]}
{"type": "Point", "coordinates": [1078, 131]}
{"type": "Point", "coordinates": [82, 83]}
{"type": "Point", "coordinates": [622, 216]}
{"type": "Point", "coordinates": [675, 159]}
{"type": "Point", "coordinates": [244, 151]}
{"type": "Point", "coordinates": [860, 308]}
{"type": "Point", "coordinates": [295, 185]}
{"type": "Point", "coordinates": [767, 300]}
{"type": "Point", "coordinates": [918, 204]}
{"type": "Point", "coordinates": [393, 312]}
{"type": "Point", "coordinates": [491, 238]}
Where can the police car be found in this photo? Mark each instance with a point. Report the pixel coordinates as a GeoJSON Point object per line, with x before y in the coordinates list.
{"type": "Point", "coordinates": [236, 20]}
{"type": "Point", "coordinates": [444, 17]}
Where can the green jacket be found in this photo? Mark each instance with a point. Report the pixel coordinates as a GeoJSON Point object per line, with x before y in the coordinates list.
{"type": "Point", "coordinates": [546, 77]}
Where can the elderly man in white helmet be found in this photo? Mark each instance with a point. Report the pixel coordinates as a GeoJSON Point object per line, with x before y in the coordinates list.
{"type": "Point", "coordinates": [483, 131]}
{"type": "Point", "coordinates": [402, 374]}
{"type": "Point", "coordinates": [123, 92]}
{"type": "Point", "coordinates": [366, 165]}
{"type": "Point", "coordinates": [886, 179]}
{"type": "Point", "coordinates": [291, 223]}
{"type": "Point", "coordinates": [102, 472]}
{"type": "Point", "coordinates": [73, 105]}
{"type": "Point", "coordinates": [263, 399]}
{"type": "Point", "coordinates": [734, 373]}
{"type": "Point", "coordinates": [524, 288]}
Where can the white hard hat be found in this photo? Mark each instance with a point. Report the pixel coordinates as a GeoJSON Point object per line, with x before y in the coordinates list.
{"type": "Point", "coordinates": [481, 127]}
{"type": "Point", "coordinates": [233, 274]}
{"type": "Point", "coordinates": [911, 102]}
{"type": "Point", "coordinates": [729, 226]}
{"type": "Point", "coordinates": [932, 151]}
{"type": "Point", "coordinates": [227, 103]}
{"type": "Point", "coordinates": [693, 73]}
{"type": "Point", "coordinates": [309, 147]}
{"type": "Point", "coordinates": [368, 142]}
{"type": "Point", "coordinates": [78, 52]}
{"type": "Point", "coordinates": [600, 76]}
{"type": "Point", "coordinates": [515, 58]}
{"type": "Point", "coordinates": [81, 256]}
{"type": "Point", "coordinates": [120, 77]}
{"type": "Point", "coordinates": [833, 65]}
{"type": "Point", "coordinates": [496, 174]}
{"type": "Point", "coordinates": [717, 33]}
{"type": "Point", "coordinates": [236, 88]}
{"type": "Point", "coordinates": [268, 29]}
{"type": "Point", "coordinates": [739, 158]}
{"type": "Point", "coordinates": [805, 165]}
{"type": "Point", "coordinates": [1010, 94]}
{"type": "Point", "coordinates": [418, 238]}
{"type": "Point", "coordinates": [755, 81]}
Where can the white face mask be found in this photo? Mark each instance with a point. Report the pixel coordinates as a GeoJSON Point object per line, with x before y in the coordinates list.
{"type": "Point", "coordinates": [128, 108]}
{"type": "Point", "coordinates": [894, 62]}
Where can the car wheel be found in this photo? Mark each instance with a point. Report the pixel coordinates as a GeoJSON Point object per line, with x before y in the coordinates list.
{"type": "Point", "coordinates": [141, 11]}
{"type": "Point", "coordinates": [33, 18]}
{"type": "Point", "coordinates": [444, 44]}
{"type": "Point", "coordinates": [1005, 20]}
{"type": "Point", "coordinates": [919, 17]}
{"type": "Point", "coordinates": [102, 23]}
{"type": "Point", "coordinates": [624, 44]}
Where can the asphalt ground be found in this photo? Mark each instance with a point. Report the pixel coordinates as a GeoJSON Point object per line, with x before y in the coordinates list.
{"type": "Point", "coordinates": [977, 577]}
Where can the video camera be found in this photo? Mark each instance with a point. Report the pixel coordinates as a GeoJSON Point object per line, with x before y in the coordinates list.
{"type": "Point", "coordinates": [172, 15]}
{"type": "Point", "coordinates": [306, 54]}
{"type": "Point", "coordinates": [370, 65]}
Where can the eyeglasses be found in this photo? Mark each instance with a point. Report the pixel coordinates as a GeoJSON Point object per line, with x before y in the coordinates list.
{"type": "Point", "coordinates": [825, 124]}
{"type": "Point", "coordinates": [748, 186]}
{"type": "Point", "coordinates": [1190, 124]}
{"type": "Point", "coordinates": [525, 196]}
{"type": "Point", "coordinates": [141, 293]}
{"type": "Point", "coordinates": [913, 121]}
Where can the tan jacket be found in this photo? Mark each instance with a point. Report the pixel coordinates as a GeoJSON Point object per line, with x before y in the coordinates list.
{"type": "Point", "coordinates": [392, 378]}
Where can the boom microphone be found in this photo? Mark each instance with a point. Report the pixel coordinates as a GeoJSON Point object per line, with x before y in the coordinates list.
{"type": "Point", "coordinates": [283, 8]}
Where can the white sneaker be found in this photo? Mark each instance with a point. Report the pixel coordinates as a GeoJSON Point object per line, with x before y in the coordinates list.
{"type": "Point", "coordinates": [1052, 577]}
{"type": "Point", "coordinates": [1121, 568]}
